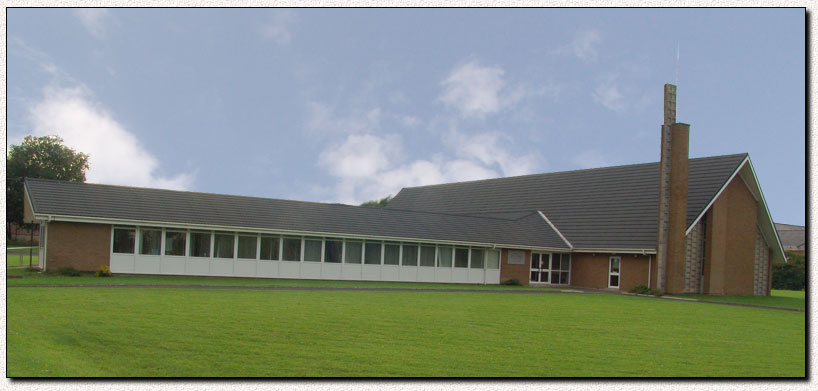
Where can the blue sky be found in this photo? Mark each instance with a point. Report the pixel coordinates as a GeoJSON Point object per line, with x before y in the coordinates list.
{"type": "Point", "coordinates": [351, 105]}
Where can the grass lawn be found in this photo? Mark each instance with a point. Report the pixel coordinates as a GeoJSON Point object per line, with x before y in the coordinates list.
{"type": "Point", "coordinates": [198, 332]}
{"type": "Point", "coordinates": [777, 298]}
{"type": "Point", "coordinates": [36, 278]}
{"type": "Point", "coordinates": [16, 260]}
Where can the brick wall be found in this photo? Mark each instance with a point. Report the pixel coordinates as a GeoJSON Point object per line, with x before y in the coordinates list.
{"type": "Point", "coordinates": [693, 259]}
{"type": "Point", "coordinates": [761, 268]}
{"type": "Point", "coordinates": [79, 245]}
{"type": "Point", "coordinates": [521, 273]}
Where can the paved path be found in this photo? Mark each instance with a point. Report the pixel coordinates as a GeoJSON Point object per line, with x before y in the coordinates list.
{"type": "Point", "coordinates": [328, 288]}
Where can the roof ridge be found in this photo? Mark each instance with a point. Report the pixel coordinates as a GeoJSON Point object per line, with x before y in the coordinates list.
{"type": "Point", "coordinates": [567, 171]}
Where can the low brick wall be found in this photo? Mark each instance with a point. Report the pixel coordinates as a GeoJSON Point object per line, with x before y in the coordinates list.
{"type": "Point", "coordinates": [82, 246]}
{"type": "Point", "coordinates": [521, 273]}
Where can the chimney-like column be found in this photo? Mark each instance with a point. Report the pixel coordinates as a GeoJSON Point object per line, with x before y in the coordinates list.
{"type": "Point", "coordinates": [673, 179]}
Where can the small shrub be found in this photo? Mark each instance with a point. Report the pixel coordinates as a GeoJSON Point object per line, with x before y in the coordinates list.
{"type": "Point", "coordinates": [643, 290]}
{"type": "Point", "coordinates": [68, 271]}
{"type": "Point", "coordinates": [512, 281]}
{"type": "Point", "coordinates": [103, 271]}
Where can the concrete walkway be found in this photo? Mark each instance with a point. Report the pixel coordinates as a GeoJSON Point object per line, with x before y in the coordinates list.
{"type": "Point", "coordinates": [328, 288]}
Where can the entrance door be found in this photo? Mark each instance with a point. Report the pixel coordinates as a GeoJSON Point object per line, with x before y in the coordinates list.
{"type": "Point", "coordinates": [613, 272]}
{"type": "Point", "coordinates": [539, 267]}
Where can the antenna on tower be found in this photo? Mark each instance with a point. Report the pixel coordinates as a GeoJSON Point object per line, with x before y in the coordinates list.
{"type": "Point", "coordinates": [676, 80]}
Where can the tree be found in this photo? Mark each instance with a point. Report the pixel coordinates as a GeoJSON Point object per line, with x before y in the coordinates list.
{"type": "Point", "coordinates": [792, 275]}
{"type": "Point", "coordinates": [39, 157]}
{"type": "Point", "coordinates": [378, 203]}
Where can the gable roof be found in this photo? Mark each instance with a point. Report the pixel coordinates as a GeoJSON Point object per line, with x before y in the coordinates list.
{"type": "Point", "coordinates": [604, 208]}
{"type": "Point", "coordinates": [72, 201]}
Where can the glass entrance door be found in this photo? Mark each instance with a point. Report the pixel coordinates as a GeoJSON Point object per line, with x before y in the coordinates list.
{"type": "Point", "coordinates": [539, 267]}
{"type": "Point", "coordinates": [613, 272]}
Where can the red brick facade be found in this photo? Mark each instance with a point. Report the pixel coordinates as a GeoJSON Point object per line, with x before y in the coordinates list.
{"type": "Point", "coordinates": [82, 246]}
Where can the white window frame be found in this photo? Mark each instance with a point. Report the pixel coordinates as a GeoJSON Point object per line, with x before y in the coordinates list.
{"type": "Point", "coordinates": [135, 239]}
{"type": "Point", "coordinates": [618, 274]}
{"type": "Point", "coordinates": [539, 271]}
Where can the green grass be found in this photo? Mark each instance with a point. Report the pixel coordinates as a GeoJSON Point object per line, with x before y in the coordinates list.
{"type": "Point", "coordinates": [36, 278]}
{"type": "Point", "coordinates": [20, 259]}
{"type": "Point", "coordinates": [777, 298]}
{"type": "Point", "coordinates": [197, 332]}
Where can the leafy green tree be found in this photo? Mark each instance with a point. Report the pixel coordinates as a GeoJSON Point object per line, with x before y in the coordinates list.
{"type": "Point", "coordinates": [378, 203]}
{"type": "Point", "coordinates": [792, 275]}
{"type": "Point", "coordinates": [39, 157]}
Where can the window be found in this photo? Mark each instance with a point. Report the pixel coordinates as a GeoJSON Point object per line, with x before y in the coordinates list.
{"type": "Point", "coordinates": [291, 249]}
{"type": "Point", "coordinates": [613, 272]}
{"type": "Point", "coordinates": [391, 254]}
{"type": "Point", "coordinates": [333, 250]}
{"type": "Point", "coordinates": [372, 255]}
{"type": "Point", "coordinates": [444, 257]}
{"type": "Point", "coordinates": [312, 249]}
{"type": "Point", "coordinates": [150, 241]}
{"type": "Point", "coordinates": [477, 258]}
{"type": "Point", "coordinates": [175, 243]}
{"type": "Point", "coordinates": [200, 244]}
{"type": "Point", "coordinates": [461, 257]}
{"type": "Point", "coordinates": [560, 267]}
{"type": "Point", "coordinates": [352, 252]}
{"type": "Point", "coordinates": [540, 267]}
{"type": "Point", "coordinates": [427, 256]}
{"type": "Point", "coordinates": [247, 247]}
{"type": "Point", "coordinates": [124, 240]}
{"type": "Point", "coordinates": [223, 245]}
{"type": "Point", "coordinates": [269, 248]}
{"type": "Point", "coordinates": [493, 259]}
{"type": "Point", "coordinates": [410, 254]}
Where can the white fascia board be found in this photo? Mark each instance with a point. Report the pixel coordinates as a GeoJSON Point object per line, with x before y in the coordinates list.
{"type": "Point", "coordinates": [712, 200]}
{"type": "Point", "coordinates": [644, 251]}
{"type": "Point", "coordinates": [767, 210]}
{"type": "Point", "coordinates": [555, 229]}
{"type": "Point", "coordinates": [206, 227]}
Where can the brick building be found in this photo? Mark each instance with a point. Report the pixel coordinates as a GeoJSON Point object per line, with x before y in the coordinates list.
{"type": "Point", "coordinates": [680, 225]}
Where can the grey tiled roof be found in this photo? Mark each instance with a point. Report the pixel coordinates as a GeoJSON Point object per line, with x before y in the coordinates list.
{"type": "Point", "coordinates": [612, 207]}
{"type": "Point", "coordinates": [129, 203]}
{"type": "Point", "coordinates": [793, 237]}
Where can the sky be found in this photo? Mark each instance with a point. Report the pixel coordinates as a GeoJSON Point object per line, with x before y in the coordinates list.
{"type": "Point", "coordinates": [350, 105]}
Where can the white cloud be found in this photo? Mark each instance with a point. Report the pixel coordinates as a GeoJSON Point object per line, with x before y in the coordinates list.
{"type": "Point", "coordinates": [590, 159]}
{"type": "Point", "coordinates": [473, 90]}
{"type": "Point", "coordinates": [93, 20]}
{"type": "Point", "coordinates": [608, 95]}
{"type": "Point", "coordinates": [584, 45]}
{"type": "Point", "coordinates": [116, 155]}
{"type": "Point", "coordinates": [278, 28]}
{"type": "Point", "coordinates": [369, 166]}
{"type": "Point", "coordinates": [323, 119]}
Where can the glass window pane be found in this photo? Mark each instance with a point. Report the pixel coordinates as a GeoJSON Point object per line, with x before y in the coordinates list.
{"type": "Point", "coordinates": [535, 276]}
{"type": "Point", "coordinates": [555, 277]}
{"type": "Point", "coordinates": [427, 256]}
{"type": "Point", "coordinates": [444, 257]}
{"type": "Point", "coordinates": [614, 265]}
{"type": "Point", "coordinates": [124, 240]}
{"type": "Point", "coordinates": [544, 277]}
{"type": "Point", "coordinates": [391, 254]}
{"type": "Point", "coordinates": [150, 241]}
{"type": "Point", "coordinates": [566, 261]}
{"type": "Point", "coordinates": [410, 254]}
{"type": "Point", "coordinates": [200, 244]}
{"type": "Point", "coordinates": [461, 257]}
{"type": "Point", "coordinates": [372, 255]}
{"type": "Point", "coordinates": [247, 247]}
{"type": "Point", "coordinates": [555, 261]}
{"type": "Point", "coordinates": [269, 248]}
{"type": "Point", "coordinates": [352, 252]}
{"type": "Point", "coordinates": [477, 258]}
{"type": "Point", "coordinates": [312, 250]}
{"type": "Point", "coordinates": [614, 281]}
{"type": "Point", "coordinates": [223, 245]}
{"type": "Point", "coordinates": [175, 243]}
{"type": "Point", "coordinates": [291, 249]}
{"type": "Point", "coordinates": [563, 277]}
{"type": "Point", "coordinates": [493, 259]}
{"type": "Point", "coordinates": [332, 250]}
{"type": "Point", "coordinates": [535, 261]}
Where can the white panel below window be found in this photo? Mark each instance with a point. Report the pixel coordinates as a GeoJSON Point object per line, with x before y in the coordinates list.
{"type": "Point", "coordinates": [443, 274]}
{"type": "Point", "coordinates": [311, 270]}
{"type": "Point", "coordinates": [268, 269]}
{"type": "Point", "coordinates": [147, 265]}
{"type": "Point", "coordinates": [331, 271]}
{"type": "Point", "coordinates": [409, 273]}
{"type": "Point", "coordinates": [173, 265]}
{"type": "Point", "coordinates": [371, 272]}
{"type": "Point", "coordinates": [492, 276]}
{"type": "Point", "coordinates": [287, 269]}
{"type": "Point", "coordinates": [122, 263]}
{"type": "Point", "coordinates": [351, 272]}
{"type": "Point", "coordinates": [426, 274]}
{"type": "Point", "coordinates": [221, 267]}
{"type": "Point", "coordinates": [390, 273]}
{"type": "Point", "coordinates": [245, 268]}
{"type": "Point", "coordinates": [195, 266]}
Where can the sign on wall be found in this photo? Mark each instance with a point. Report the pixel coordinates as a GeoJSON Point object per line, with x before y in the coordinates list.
{"type": "Point", "coordinates": [516, 257]}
